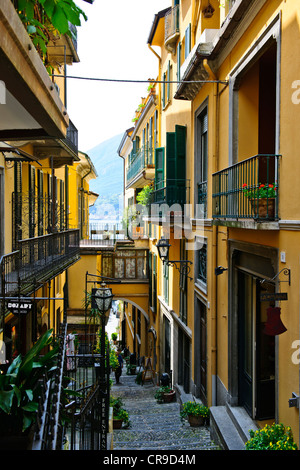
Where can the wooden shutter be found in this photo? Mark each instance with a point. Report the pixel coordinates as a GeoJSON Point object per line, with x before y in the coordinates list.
{"type": "Point", "coordinates": [159, 167]}
{"type": "Point", "coordinates": [180, 147]}
{"type": "Point", "coordinates": [178, 61]}
{"type": "Point", "coordinates": [168, 80]}
{"type": "Point", "coordinates": [187, 41]}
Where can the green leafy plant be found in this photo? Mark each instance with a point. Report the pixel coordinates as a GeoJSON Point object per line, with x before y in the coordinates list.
{"type": "Point", "coordinates": [113, 359]}
{"type": "Point", "coordinates": [159, 393]}
{"type": "Point", "coordinates": [271, 437]}
{"type": "Point", "coordinates": [195, 409]}
{"type": "Point", "coordinates": [48, 19]}
{"type": "Point", "coordinates": [20, 387]}
{"type": "Point", "coordinates": [114, 336]}
{"type": "Point", "coordinates": [261, 191]}
{"type": "Point", "coordinates": [119, 412]}
{"type": "Point", "coordinates": [144, 195]}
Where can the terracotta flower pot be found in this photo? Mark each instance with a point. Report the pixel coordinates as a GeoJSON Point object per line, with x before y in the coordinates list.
{"type": "Point", "coordinates": [195, 421]}
{"type": "Point", "coordinates": [169, 397]}
{"type": "Point", "coordinates": [117, 423]}
{"type": "Point", "coordinates": [264, 208]}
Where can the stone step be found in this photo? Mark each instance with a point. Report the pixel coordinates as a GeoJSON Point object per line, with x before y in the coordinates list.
{"type": "Point", "coordinates": [223, 429]}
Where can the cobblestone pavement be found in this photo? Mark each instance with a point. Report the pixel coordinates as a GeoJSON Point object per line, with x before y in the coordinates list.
{"type": "Point", "coordinates": [154, 426]}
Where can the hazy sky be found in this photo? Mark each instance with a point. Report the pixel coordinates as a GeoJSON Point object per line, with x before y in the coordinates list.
{"type": "Point", "coordinates": [112, 44]}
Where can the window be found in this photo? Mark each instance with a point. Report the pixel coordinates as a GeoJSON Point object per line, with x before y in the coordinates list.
{"type": "Point", "coordinates": [187, 41]}
{"type": "Point", "coordinates": [166, 282]}
{"type": "Point", "coordinates": [202, 264]}
{"type": "Point", "coordinates": [201, 163]}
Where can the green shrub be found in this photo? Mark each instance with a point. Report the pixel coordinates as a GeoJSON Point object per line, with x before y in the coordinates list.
{"type": "Point", "coordinates": [275, 437]}
{"type": "Point", "coordinates": [195, 409]}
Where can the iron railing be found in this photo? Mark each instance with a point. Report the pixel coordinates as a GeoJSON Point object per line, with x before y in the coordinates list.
{"type": "Point", "coordinates": [34, 215]}
{"type": "Point", "coordinates": [172, 22]}
{"type": "Point", "coordinates": [37, 259]}
{"type": "Point", "coordinates": [142, 159]}
{"type": "Point", "coordinates": [236, 189]}
{"type": "Point", "coordinates": [49, 429]}
{"type": "Point", "coordinates": [71, 139]}
{"type": "Point", "coordinates": [170, 195]}
{"type": "Point", "coordinates": [89, 416]}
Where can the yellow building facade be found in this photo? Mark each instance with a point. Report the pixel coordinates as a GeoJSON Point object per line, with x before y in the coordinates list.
{"type": "Point", "coordinates": [225, 171]}
{"type": "Point", "coordinates": [40, 223]}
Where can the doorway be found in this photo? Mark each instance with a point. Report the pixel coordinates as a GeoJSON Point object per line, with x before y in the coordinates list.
{"type": "Point", "coordinates": [256, 350]}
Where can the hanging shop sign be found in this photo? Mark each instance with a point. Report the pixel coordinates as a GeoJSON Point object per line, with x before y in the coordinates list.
{"type": "Point", "coordinates": [19, 307]}
{"type": "Point", "coordinates": [273, 296]}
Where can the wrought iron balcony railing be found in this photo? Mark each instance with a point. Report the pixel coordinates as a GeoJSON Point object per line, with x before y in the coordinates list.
{"type": "Point", "coordinates": [36, 260]}
{"type": "Point", "coordinates": [142, 159]}
{"type": "Point", "coordinates": [71, 139]}
{"type": "Point", "coordinates": [172, 25]}
{"type": "Point", "coordinates": [169, 195]}
{"type": "Point", "coordinates": [248, 190]}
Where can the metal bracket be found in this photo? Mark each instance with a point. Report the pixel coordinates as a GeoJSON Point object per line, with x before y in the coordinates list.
{"type": "Point", "coordinates": [286, 272]}
{"type": "Point", "coordinates": [294, 401]}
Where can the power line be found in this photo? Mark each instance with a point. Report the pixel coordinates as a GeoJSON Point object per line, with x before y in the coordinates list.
{"type": "Point", "coordinates": [224, 82]}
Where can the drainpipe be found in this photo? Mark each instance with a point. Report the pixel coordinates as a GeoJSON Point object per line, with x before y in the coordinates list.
{"type": "Point", "coordinates": [214, 345]}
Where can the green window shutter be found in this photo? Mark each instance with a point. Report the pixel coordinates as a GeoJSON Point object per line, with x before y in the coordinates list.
{"type": "Point", "coordinates": [159, 167]}
{"type": "Point", "coordinates": [164, 91]}
{"type": "Point", "coordinates": [171, 156]}
{"type": "Point", "coordinates": [178, 61]}
{"type": "Point", "coordinates": [150, 154]}
{"type": "Point", "coordinates": [180, 148]}
{"type": "Point", "coordinates": [170, 168]}
{"type": "Point", "coordinates": [187, 41]}
{"type": "Point", "coordinates": [168, 80]}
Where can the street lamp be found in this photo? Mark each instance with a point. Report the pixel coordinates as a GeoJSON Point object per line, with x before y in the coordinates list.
{"type": "Point", "coordinates": [163, 248]}
{"type": "Point", "coordinates": [102, 301]}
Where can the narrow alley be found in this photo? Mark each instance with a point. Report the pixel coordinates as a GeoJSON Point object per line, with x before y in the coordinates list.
{"type": "Point", "coordinates": [154, 426]}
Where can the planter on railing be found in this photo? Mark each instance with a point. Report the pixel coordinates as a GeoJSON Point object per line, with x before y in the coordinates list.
{"type": "Point", "coordinates": [248, 189]}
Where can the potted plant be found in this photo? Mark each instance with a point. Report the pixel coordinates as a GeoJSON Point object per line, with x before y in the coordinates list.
{"type": "Point", "coordinates": [262, 199]}
{"type": "Point", "coordinates": [120, 415]}
{"type": "Point", "coordinates": [164, 394]}
{"type": "Point", "coordinates": [130, 368]}
{"type": "Point", "coordinates": [20, 388]}
{"type": "Point", "coordinates": [114, 337]}
{"type": "Point", "coordinates": [196, 413]}
{"type": "Point", "coordinates": [271, 437]}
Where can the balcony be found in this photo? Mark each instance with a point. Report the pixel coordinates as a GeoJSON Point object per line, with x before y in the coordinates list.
{"type": "Point", "coordinates": [37, 260]}
{"type": "Point", "coordinates": [142, 160]}
{"type": "Point", "coordinates": [172, 30]}
{"type": "Point", "coordinates": [169, 198]}
{"type": "Point", "coordinates": [71, 139]}
{"type": "Point", "coordinates": [245, 191]}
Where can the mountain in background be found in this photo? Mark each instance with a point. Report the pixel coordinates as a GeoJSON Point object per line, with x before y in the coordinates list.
{"type": "Point", "coordinates": [109, 183]}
